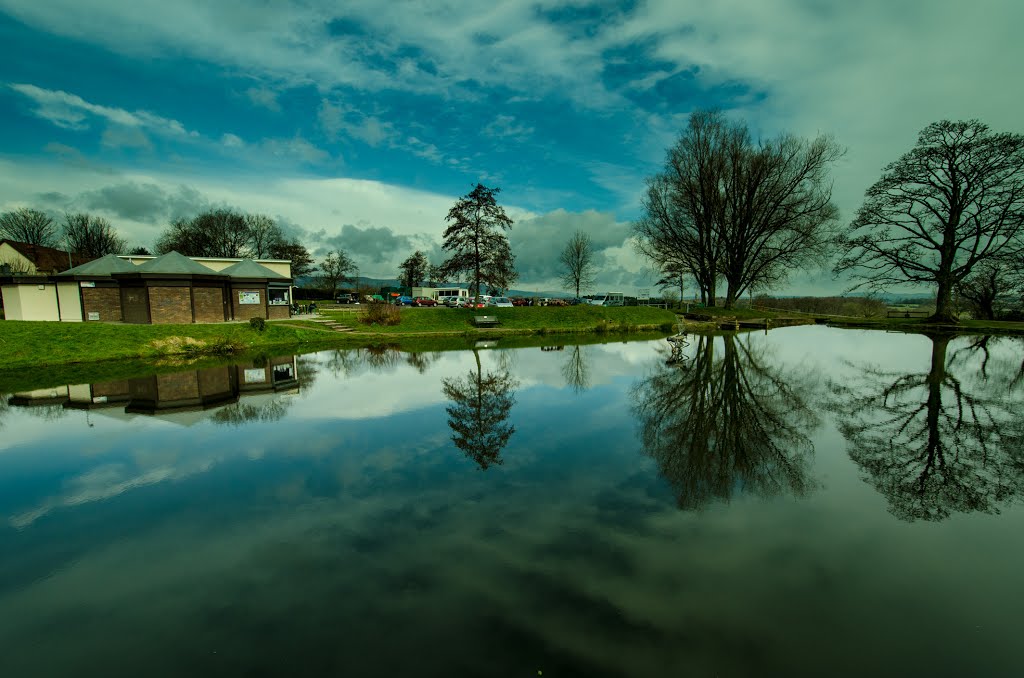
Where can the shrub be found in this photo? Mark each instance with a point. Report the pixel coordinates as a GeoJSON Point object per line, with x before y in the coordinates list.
{"type": "Point", "coordinates": [668, 327]}
{"type": "Point", "coordinates": [380, 313]}
{"type": "Point", "coordinates": [258, 324]}
{"type": "Point", "coordinates": [602, 327]}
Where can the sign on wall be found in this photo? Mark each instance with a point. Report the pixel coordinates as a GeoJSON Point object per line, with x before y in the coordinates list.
{"type": "Point", "coordinates": [248, 298]}
{"type": "Point", "coordinates": [93, 315]}
{"type": "Point", "coordinates": [255, 375]}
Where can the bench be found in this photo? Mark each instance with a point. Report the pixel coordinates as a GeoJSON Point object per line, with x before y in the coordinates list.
{"type": "Point", "coordinates": [485, 320]}
{"type": "Point", "coordinates": [906, 314]}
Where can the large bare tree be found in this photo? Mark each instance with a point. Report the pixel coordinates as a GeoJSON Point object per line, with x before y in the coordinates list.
{"type": "Point", "coordinates": [951, 203]}
{"type": "Point", "coordinates": [214, 233]}
{"type": "Point", "coordinates": [91, 236]}
{"type": "Point", "coordinates": [476, 239]}
{"type": "Point", "coordinates": [578, 266]}
{"type": "Point", "coordinates": [725, 206]}
{"type": "Point", "coordinates": [264, 235]}
{"type": "Point", "coordinates": [29, 226]}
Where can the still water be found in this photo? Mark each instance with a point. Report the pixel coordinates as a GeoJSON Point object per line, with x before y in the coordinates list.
{"type": "Point", "coordinates": [805, 502]}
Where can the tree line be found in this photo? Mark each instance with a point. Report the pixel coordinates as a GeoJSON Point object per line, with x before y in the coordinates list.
{"type": "Point", "coordinates": [948, 213]}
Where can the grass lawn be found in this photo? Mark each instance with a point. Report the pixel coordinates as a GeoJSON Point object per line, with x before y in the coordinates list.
{"type": "Point", "coordinates": [35, 344]}
{"type": "Point", "coordinates": [522, 319]}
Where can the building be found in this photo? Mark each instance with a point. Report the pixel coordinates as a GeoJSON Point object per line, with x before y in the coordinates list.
{"type": "Point", "coordinates": [23, 258]}
{"type": "Point", "coordinates": [171, 288]}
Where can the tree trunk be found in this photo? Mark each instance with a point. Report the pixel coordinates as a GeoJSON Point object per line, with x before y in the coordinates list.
{"type": "Point", "coordinates": [944, 303]}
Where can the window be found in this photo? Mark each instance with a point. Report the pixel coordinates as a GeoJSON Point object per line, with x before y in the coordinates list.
{"type": "Point", "coordinates": [278, 297]}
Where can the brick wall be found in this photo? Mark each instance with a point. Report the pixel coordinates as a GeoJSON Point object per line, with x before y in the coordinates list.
{"type": "Point", "coordinates": [103, 300]}
{"type": "Point", "coordinates": [209, 304]}
{"type": "Point", "coordinates": [277, 312]}
{"type": "Point", "coordinates": [170, 305]}
{"type": "Point", "coordinates": [215, 382]}
{"type": "Point", "coordinates": [246, 311]}
{"type": "Point", "coordinates": [180, 386]}
{"type": "Point", "coordinates": [111, 389]}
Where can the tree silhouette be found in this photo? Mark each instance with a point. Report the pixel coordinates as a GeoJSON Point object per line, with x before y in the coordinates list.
{"type": "Point", "coordinates": [938, 442]}
{"type": "Point", "coordinates": [576, 371]}
{"type": "Point", "coordinates": [718, 425]}
{"type": "Point", "coordinates": [479, 411]}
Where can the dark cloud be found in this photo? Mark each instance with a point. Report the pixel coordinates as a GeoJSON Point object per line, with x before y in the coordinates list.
{"type": "Point", "coordinates": [374, 245]}
{"type": "Point", "coordinates": [538, 242]}
{"type": "Point", "coordinates": [148, 203]}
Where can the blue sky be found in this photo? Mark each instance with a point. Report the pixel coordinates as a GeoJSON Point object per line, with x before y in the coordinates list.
{"type": "Point", "coordinates": [357, 124]}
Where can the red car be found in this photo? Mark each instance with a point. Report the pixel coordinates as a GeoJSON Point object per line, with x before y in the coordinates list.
{"type": "Point", "coordinates": [423, 301]}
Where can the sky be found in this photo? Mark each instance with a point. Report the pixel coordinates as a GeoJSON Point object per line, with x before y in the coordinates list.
{"type": "Point", "coordinates": [358, 124]}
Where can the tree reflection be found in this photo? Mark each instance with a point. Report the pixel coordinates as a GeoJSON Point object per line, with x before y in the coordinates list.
{"type": "Point", "coordinates": [719, 425]}
{"type": "Point", "coordinates": [938, 442]}
{"type": "Point", "coordinates": [478, 413]}
{"type": "Point", "coordinates": [240, 413]}
{"type": "Point", "coordinates": [576, 371]}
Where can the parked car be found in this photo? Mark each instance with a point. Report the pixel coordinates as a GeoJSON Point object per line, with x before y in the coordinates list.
{"type": "Point", "coordinates": [423, 302]}
{"type": "Point", "coordinates": [371, 298]}
{"type": "Point", "coordinates": [519, 301]}
{"type": "Point", "coordinates": [557, 302]}
{"type": "Point", "coordinates": [347, 299]}
{"type": "Point", "coordinates": [500, 302]}
{"type": "Point", "coordinates": [470, 303]}
{"type": "Point", "coordinates": [454, 302]}
{"type": "Point", "coordinates": [403, 301]}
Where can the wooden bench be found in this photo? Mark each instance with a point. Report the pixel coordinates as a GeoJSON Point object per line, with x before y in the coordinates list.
{"type": "Point", "coordinates": [906, 314]}
{"type": "Point", "coordinates": [485, 320]}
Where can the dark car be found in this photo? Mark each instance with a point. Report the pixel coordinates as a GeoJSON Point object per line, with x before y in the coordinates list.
{"type": "Point", "coordinates": [423, 301]}
{"type": "Point", "coordinates": [519, 301]}
{"type": "Point", "coordinates": [347, 299]}
{"type": "Point", "coordinates": [403, 301]}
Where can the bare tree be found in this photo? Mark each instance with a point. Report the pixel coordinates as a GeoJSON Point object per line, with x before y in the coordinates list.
{"type": "Point", "coordinates": [414, 270]}
{"type": "Point", "coordinates": [337, 267]}
{"type": "Point", "coordinates": [952, 202]}
{"type": "Point", "coordinates": [264, 235]}
{"type": "Point", "coordinates": [725, 206]}
{"type": "Point", "coordinates": [477, 241]}
{"type": "Point", "coordinates": [91, 236]}
{"type": "Point", "coordinates": [215, 233]}
{"type": "Point", "coordinates": [990, 281]}
{"type": "Point", "coordinates": [29, 226]}
{"type": "Point", "coordinates": [673, 277]}
{"type": "Point", "coordinates": [577, 259]}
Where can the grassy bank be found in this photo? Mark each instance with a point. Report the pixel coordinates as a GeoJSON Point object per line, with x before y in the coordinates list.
{"type": "Point", "coordinates": [554, 319]}
{"type": "Point", "coordinates": [38, 344]}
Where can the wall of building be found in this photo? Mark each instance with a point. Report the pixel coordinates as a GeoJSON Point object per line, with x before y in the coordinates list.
{"type": "Point", "coordinates": [135, 304]}
{"type": "Point", "coordinates": [242, 311]}
{"type": "Point", "coordinates": [104, 301]}
{"type": "Point", "coordinates": [30, 302]}
{"type": "Point", "coordinates": [70, 302]}
{"type": "Point", "coordinates": [278, 312]}
{"type": "Point", "coordinates": [170, 305]}
{"type": "Point", "coordinates": [18, 262]}
{"type": "Point", "coordinates": [209, 303]}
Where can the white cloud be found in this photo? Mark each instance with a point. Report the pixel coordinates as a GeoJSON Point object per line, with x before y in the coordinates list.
{"type": "Point", "coordinates": [71, 111]}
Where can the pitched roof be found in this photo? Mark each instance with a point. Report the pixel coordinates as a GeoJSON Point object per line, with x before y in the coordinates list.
{"type": "Point", "coordinates": [247, 268]}
{"type": "Point", "coordinates": [46, 259]}
{"type": "Point", "coordinates": [103, 266]}
{"type": "Point", "coordinates": [174, 263]}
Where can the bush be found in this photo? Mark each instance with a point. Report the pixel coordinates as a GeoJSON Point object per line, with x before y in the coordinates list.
{"type": "Point", "coordinates": [380, 313]}
{"type": "Point", "coordinates": [668, 327]}
{"type": "Point", "coordinates": [602, 327]}
{"type": "Point", "coordinates": [258, 324]}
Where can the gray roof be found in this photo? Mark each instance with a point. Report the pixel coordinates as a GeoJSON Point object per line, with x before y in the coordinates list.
{"type": "Point", "coordinates": [247, 268]}
{"type": "Point", "coordinates": [174, 263]}
{"type": "Point", "coordinates": [103, 266]}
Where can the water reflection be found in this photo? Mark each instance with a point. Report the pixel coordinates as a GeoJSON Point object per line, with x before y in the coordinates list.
{"type": "Point", "coordinates": [937, 442]}
{"type": "Point", "coordinates": [728, 420]}
{"type": "Point", "coordinates": [186, 395]}
{"type": "Point", "coordinates": [576, 370]}
{"type": "Point", "coordinates": [480, 405]}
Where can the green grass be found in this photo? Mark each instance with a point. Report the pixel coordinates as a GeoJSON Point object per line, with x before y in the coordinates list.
{"type": "Point", "coordinates": [35, 344]}
{"type": "Point", "coordinates": [554, 319]}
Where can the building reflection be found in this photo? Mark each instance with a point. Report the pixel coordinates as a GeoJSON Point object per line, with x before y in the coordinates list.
{"type": "Point", "coordinates": [937, 442]}
{"type": "Point", "coordinates": [478, 411]}
{"type": "Point", "coordinates": [219, 388]}
{"type": "Point", "coordinates": [727, 421]}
